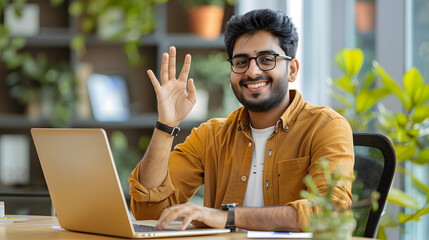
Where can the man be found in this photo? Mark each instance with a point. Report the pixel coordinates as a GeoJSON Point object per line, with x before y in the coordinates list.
{"type": "Point", "coordinates": [257, 156]}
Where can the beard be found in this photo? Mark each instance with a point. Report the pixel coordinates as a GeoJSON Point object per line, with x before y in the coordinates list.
{"type": "Point", "coordinates": [276, 96]}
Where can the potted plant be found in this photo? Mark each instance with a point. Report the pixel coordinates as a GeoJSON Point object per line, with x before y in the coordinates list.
{"type": "Point", "coordinates": [328, 221]}
{"type": "Point", "coordinates": [47, 91]}
{"type": "Point", "coordinates": [205, 16]}
{"type": "Point", "coordinates": [118, 21]}
{"type": "Point", "coordinates": [365, 15]}
{"type": "Point", "coordinates": [406, 128]}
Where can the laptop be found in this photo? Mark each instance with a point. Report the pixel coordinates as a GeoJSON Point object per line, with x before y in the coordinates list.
{"type": "Point", "coordinates": [84, 185]}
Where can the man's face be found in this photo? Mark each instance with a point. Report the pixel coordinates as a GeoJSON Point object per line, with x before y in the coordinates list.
{"type": "Point", "coordinates": [260, 90]}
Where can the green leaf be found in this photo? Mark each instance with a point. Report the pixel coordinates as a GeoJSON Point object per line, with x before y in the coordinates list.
{"type": "Point", "coordinates": [78, 43]}
{"type": "Point", "coordinates": [368, 79]}
{"type": "Point", "coordinates": [406, 152]}
{"type": "Point", "coordinates": [422, 95]}
{"type": "Point", "coordinates": [403, 218]}
{"type": "Point", "coordinates": [421, 113]}
{"type": "Point", "coordinates": [88, 24]}
{"type": "Point", "coordinates": [76, 8]}
{"type": "Point", "coordinates": [391, 84]}
{"type": "Point", "coordinates": [133, 54]}
{"type": "Point", "coordinates": [420, 185]}
{"type": "Point", "coordinates": [18, 43]}
{"type": "Point", "coordinates": [119, 140]}
{"type": "Point", "coordinates": [402, 199]}
{"type": "Point", "coordinates": [345, 83]}
{"type": "Point", "coordinates": [367, 98]}
{"type": "Point", "coordinates": [381, 234]}
{"type": "Point", "coordinates": [413, 82]}
{"type": "Point", "coordinates": [423, 157]}
{"type": "Point", "coordinates": [401, 119]}
{"type": "Point", "coordinates": [349, 61]}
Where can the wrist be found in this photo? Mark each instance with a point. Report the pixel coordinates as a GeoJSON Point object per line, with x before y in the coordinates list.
{"type": "Point", "coordinates": [229, 209]}
{"type": "Point", "coordinates": [173, 131]}
{"type": "Point", "coordinates": [168, 123]}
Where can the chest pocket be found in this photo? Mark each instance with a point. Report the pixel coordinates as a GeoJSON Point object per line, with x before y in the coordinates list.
{"type": "Point", "coordinates": [291, 172]}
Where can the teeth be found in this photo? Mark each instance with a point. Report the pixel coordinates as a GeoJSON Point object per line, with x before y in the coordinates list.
{"type": "Point", "coordinates": [257, 85]}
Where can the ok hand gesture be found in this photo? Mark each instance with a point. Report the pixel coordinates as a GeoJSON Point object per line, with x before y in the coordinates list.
{"type": "Point", "coordinates": [174, 102]}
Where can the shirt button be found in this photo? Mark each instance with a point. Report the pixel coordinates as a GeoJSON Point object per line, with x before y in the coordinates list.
{"type": "Point", "coordinates": [243, 178]}
{"type": "Point", "coordinates": [250, 144]}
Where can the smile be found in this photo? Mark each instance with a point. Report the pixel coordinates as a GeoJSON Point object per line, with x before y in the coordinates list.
{"type": "Point", "coordinates": [256, 85]}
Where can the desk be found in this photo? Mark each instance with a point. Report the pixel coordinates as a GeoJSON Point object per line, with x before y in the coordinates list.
{"type": "Point", "coordinates": [38, 227]}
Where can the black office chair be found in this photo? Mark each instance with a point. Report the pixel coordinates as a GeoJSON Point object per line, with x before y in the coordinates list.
{"type": "Point", "coordinates": [375, 162]}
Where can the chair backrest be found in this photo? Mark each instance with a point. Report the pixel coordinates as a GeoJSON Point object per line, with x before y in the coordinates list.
{"type": "Point", "coordinates": [375, 162]}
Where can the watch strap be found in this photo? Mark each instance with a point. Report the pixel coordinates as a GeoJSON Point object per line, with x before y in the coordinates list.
{"type": "Point", "coordinates": [173, 131]}
{"type": "Point", "coordinates": [230, 222]}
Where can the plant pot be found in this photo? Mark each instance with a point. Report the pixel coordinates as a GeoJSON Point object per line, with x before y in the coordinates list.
{"type": "Point", "coordinates": [40, 106]}
{"type": "Point", "coordinates": [365, 16]}
{"type": "Point", "coordinates": [206, 21]}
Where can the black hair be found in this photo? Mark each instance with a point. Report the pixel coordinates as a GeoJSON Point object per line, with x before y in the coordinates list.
{"type": "Point", "coordinates": [275, 22]}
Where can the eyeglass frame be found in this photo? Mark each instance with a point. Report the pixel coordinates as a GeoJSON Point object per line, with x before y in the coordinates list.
{"type": "Point", "coordinates": [257, 64]}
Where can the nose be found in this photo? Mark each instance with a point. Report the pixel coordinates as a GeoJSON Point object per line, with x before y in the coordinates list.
{"type": "Point", "coordinates": [253, 71]}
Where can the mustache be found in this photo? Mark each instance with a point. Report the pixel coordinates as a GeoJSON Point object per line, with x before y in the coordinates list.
{"type": "Point", "coordinates": [249, 79]}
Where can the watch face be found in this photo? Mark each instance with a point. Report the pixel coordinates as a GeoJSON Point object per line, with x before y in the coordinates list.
{"type": "Point", "coordinates": [228, 205]}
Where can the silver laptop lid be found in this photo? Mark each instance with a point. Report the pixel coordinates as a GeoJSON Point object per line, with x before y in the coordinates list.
{"type": "Point", "coordinates": [82, 180]}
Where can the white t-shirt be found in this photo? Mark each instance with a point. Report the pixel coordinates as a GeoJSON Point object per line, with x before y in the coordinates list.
{"type": "Point", "coordinates": [254, 195]}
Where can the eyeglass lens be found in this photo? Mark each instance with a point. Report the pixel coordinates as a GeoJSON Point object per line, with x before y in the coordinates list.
{"type": "Point", "coordinates": [265, 62]}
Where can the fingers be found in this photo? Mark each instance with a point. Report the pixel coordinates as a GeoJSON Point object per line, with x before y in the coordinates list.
{"type": "Point", "coordinates": [168, 67]}
{"type": "Point", "coordinates": [172, 63]}
{"type": "Point", "coordinates": [153, 80]}
{"type": "Point", "coordinates": [186, 67]}
{"type": "Point", "coordinates": [186, 222]}
{"type": "Point", "coordinates": [164, 68]}
{"type": "Point", "coordinates": [185, 213]}
{"type": "Point", "coordinates": [192, 91]}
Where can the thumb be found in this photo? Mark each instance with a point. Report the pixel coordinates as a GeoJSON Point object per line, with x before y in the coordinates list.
{"type": "Point", "coordinates": [192, 91]}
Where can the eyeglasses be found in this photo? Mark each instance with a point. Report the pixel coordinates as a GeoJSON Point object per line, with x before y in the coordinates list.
{"type": "Point", "coordinates": [265, 62]}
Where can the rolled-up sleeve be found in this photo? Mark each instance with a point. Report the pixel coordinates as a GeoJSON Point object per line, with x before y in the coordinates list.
{"type": "Point", "coordinates": [184, 177]}
{"type": "Point", "coordinates": [148, 204]}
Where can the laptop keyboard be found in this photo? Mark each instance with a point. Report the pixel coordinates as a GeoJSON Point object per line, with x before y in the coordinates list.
{"type": "Point", "coordinates": [145, 228]}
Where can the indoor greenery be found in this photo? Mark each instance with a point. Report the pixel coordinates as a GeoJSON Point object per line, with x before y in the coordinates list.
{"type": "Point", "coordinates": [51, 87]}
{"type": "Point", "coordinates": [33, 79]}
{"type": "Point", "coordinates": [211, 73]}
{"type": "Point", "coordinates": [193, 3]}
{"type": "Point", "coordinates": [406, 128]}
{"type": "Point", "coordinates": [127, 22]}
{"type": "Point", "coordinates": [126, 157]}
{"type": "Point", "coordinates": [328, 220]}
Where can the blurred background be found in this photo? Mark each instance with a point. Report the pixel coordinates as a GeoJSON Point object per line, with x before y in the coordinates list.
{"type": "Point", "coordinates": [82, 64]}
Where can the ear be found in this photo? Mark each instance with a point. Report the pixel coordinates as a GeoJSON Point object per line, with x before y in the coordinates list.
{"type": "Point", "coordinates": [293, 69]}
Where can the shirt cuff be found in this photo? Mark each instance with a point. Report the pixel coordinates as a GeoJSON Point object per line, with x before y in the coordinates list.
{"type": "Point", "coordinates": [155, 195]}
{"type": "Point", "coordinates": [303, 212]}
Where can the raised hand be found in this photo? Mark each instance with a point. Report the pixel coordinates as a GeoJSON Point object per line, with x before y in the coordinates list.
{"type": "Point", "coordinates": [174, 102]}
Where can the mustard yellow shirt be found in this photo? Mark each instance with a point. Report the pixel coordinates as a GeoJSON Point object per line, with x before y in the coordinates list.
{"type": "Point", "coordinates": [218, 154]}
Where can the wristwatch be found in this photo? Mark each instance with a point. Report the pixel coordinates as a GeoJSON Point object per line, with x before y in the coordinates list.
{"type": "Point", "coordinates": [173, 131]}
{"type": "Point", "coordinates": [230, 222]}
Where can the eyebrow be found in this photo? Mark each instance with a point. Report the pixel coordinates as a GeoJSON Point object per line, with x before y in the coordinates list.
{"type": "Point", "coordinates": [259, 53]}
